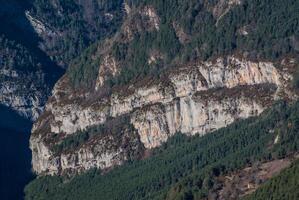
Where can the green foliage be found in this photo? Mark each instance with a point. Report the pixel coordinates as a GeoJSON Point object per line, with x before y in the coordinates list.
{"type": "Point", "coordinates": [270, 25]}
{"type": "Point", "coordinates": [135, 55]}
{"type": "Point", "coordinates": [286, 127]}
{"type": "Point", "coordinates": [84, 69]}
{"type": "Point", "coordinates": [272, 28]}
{"type": "Point", "coordinates": [135, 59]}
{"type": "Point", "coordinates": [167, 41]}
{"type": "Point", "coordinates": [72, 142]}
{"type": "Point", "coordinates": [185, 166]}
{"type": "Point", "coordinates": [283, 186]}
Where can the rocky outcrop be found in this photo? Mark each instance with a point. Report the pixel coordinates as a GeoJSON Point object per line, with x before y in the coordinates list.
{"type": "Point", "coordinates": [193, 99]}
{"type": "Point", "coordinates": [152, 19]}
{"type": "Point", "coordinates": [40, 28]}
{"type": "Point", "coordinates": [140, 20]}
{"type": "Point", "coordinates": [101, 151]}
{"type": "Point", "coordinates": [180, 33]}
{"type": "Point", "coordinates": [223, 7]}
{"type": "Point", "coordinates": [107, 68]}
{"type": "Point", "coordinates": [23, 92]}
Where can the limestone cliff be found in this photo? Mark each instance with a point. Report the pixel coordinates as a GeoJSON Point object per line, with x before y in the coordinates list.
{"type": "Point", "coordinates": [195, 98]}
{"type": "Point", "coordinates": [158, 75]}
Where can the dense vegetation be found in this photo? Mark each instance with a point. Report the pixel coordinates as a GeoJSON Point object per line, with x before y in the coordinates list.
{"type": "Point", "coordinates": [272, 26]}
{"type": "Point", "coordinates": [83, 70]}
{"type": "Point", "coordinates": [77, 24]}
{"type": "Point", "coordinates": [184, 167]}
{"type": "Point", "coordinates": [283, 186]}
{"type": "Point", "coordinates": [258, 29]}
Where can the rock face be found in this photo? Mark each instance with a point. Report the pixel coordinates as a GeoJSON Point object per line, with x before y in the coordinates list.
{"type": "Point", "coordinates": [39, 27]}
{"type": "Point", "coordinates": [193, 99]}
{"type": "Point", "coordinates": [140, 20]}
{"type": "Point", "coordinates": [223, 7]}
{"type": "Point", "coordinates": [102, 151]}
{"type": "Point", "coordinates": [108, 67]}
{"type": "Point", "coordinates": [153, 19]}
{"type": "Point", "coordinates": [26, 98]}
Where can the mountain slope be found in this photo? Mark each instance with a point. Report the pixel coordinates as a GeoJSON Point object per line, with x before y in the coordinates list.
{"type": "Point", "coordinates": [25, 79]}
{"type": "Point", "coordinates": [117, 122]}
{"type": "Point", "coordinates": [142, 73]}
{"type": "Point", "coordinates": [162, 34]}
{"type": "Point", "coordinates": [68, 27]}
{"type": "Point", "coordinates": [188, 164]}
{"type": "Point", "coordinates": [283, 186]}
{"type": "Point", "coordinates": [40, 37]}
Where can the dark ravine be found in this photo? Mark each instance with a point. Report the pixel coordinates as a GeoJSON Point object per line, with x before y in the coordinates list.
{"type": "Point", "coordinates": [15, 155]}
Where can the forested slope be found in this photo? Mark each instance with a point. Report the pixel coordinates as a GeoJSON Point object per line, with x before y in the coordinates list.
{"type": "Point", "coordinates": [184, 167]}
{"type": "Point", "coordinates": [72, 25]}
{"type": "Point", "coordinates": [148, 39]}
{"type": "Point", "coordinates": [283, 186]}
{"type": "Point", "coordinates": [194, 30]}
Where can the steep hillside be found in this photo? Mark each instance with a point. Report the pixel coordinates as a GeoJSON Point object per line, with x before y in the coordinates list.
{"type": "Point", "coordinates": [169, 99]}
{"type": "Point", "coordinates": [25, 80]}
{"type": "Point", "coordinates": [173, 66]}
{"type": "Point", "coordinates": [283, 186]}
{"type": "Point", "coordinates": [40, 37]}
{"type": "Point", "coordinates": [27, 75]}
{"type": "Point", "coordinates": [184, 167]}
{"type": "Point", "coordinates": [161, 34]}
{"type": "Point", "coordinates": [196, 99]}
{"type": "Point", "coordinates": [67, 27]}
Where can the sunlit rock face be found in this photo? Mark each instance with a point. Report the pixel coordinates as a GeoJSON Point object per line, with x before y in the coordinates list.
{"type": "Point", "coordinates": [193, 99]}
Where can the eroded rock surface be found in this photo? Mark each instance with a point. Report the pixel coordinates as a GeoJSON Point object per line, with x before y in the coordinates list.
{"type": "Point", "coordinates": [23, 91]}
{"type": "Point", "coordinates": [193, 99]}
